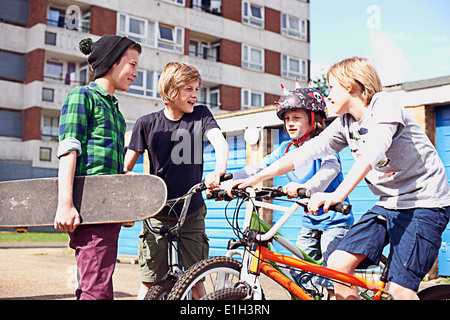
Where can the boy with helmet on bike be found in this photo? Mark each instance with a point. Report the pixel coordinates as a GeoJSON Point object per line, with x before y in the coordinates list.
{"type": "Point", "coordinates": [303, 112]}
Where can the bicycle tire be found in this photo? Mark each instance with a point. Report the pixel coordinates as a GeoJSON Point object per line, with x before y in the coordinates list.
{"type": "Point", "coordinates": [199, 271]}
{"type": "Point", "coordinates": [227, 294]}
{"type": "Point", "coordinates": [438, 292]}
{"type": "Point", "coordinates": [160, 290]}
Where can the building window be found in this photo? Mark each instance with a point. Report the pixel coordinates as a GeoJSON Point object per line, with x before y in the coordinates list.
{"type": "Point", "coordinates": [180, 2]}
{"type": "Point", "coordinates": [48, 94]}
{"type": "Point", "coordinates": [251, 99]}
{"type": "Point", "coordinates": [71, 18]}
{"type": "Point", "coordinates": [53, 71]}
{"type": "Point", "coordinates": [210, 6]}
{"type": "Point", "coordinates": [45, 154]}
{"type": "Point", "coordinates": [209, 97]}
{"type": "Point", "coordinates": [293, 27]}
{"type": "Point", "coordinates": [50, 38]}
{"type": "Point", "coordinates": [204, 50]}
{"type": "Point", "coordinates": [252, 58]}
{"type": "Point", "coordinates": [252, 14]}
{"type": "Point", "coordinates": [294, 68]}
{"type": "Point", "coordinates": [50, 127]}
{"type": "Point", "coordinates": [66, 72]}
{"type": "Point", "coordinates": [146, 84]}
{"type": "Point", "coordinates": [151, 33]}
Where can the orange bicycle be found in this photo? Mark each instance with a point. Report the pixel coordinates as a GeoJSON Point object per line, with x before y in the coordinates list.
{"type": "Point", "coordinates": [258, 257]}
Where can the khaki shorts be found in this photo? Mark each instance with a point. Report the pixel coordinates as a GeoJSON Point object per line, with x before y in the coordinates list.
{"type": "Point", "coordinates": [153, 255]}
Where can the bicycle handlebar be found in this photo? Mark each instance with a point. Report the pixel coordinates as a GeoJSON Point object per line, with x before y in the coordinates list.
{"type": "Point", "coordinates": [199, 187]}
{"type": "Point", "coordinates": [274, 192]}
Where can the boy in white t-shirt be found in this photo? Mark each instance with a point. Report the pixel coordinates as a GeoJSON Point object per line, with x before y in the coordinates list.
{"type": "Point", "coordinates": [398, 163]}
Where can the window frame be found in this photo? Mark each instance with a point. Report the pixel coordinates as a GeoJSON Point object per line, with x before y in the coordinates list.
{"type": "Point", "coordinates": [250, 93]}
{"type": "Point", "coordinates": [249, 18]}
{"type": "Point", "coordinates": [151, 35]}
{"type": "Point", "coordinates": [299, 33]}
{"type": "Point", "coordinates": [286, 71]}
{"type": "Point", "coordinates": [246, 61]}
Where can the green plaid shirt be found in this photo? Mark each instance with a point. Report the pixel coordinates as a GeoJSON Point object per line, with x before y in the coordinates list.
{"type": "Point", "coordinates": [92, 117]}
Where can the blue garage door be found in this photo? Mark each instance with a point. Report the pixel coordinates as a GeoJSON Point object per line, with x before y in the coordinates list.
{"type": "Point", "coordinates": [217, 227]}
{"type": "Point", "coordinates": [443, 148]}
{"type": "Point", "coordinates": [128, 237]}
{"type": "Point", "coordinates": [361, 198]}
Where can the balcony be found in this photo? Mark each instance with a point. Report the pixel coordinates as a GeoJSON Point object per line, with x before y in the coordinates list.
{"type": "Point", "coordinates": [209, 6]}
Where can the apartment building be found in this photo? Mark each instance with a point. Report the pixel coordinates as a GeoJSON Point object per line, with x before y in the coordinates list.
{"type": "Point", "coordinates": [243, 48]}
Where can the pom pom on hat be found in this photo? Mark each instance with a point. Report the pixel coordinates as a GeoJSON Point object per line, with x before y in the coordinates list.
{"type": "Point", "coordinates": [85, 46]}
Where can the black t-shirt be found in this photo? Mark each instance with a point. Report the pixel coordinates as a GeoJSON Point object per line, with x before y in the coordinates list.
{"type": "Point", "coordinates": [175, 150]}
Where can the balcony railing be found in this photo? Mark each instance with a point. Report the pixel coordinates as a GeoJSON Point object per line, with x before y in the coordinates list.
{"type": "Point", "coordinates": [209, 6]}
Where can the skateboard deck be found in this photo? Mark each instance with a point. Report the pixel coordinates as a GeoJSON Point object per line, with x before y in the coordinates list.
{"type": "Point", "coordinates": [98, 199]}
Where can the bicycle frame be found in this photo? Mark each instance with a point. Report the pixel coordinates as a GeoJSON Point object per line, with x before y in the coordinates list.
{"type": "Point", "coordinates": [257, 256]}
{"type": "Point", "coordinates": [175, 270]}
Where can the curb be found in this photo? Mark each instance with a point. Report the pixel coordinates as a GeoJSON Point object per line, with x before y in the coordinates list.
{"type": "Point", "coordinates": [16, 245]}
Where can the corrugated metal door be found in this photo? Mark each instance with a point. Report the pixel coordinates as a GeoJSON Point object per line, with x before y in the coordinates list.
{"type": "Point", "coordinates": [443, 148]}
{"type": "Point", "coordinates": [128, 237]}
{"type": "Point", "coordinates": [217, 227]}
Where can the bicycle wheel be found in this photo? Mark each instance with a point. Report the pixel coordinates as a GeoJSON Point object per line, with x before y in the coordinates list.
{"type": "Point", "coordinates": [160, 290]}
{"type": "Point", "coordinates": [215, 272]}
{"type": "Point", "coordinates": [438, 292]}
{"type": "Point", "coordinates": [227, 294]}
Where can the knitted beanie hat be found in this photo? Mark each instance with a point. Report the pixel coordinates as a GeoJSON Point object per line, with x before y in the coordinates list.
{"type": "Point", "coordinates": [104, 52]}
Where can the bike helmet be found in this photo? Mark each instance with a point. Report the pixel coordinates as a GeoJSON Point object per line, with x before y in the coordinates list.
{"type": "Point", "coordinates": [301, 98]}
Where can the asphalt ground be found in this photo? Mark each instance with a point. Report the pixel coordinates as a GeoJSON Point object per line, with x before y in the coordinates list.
{"type": "Point", "coordinates": [47, 271]}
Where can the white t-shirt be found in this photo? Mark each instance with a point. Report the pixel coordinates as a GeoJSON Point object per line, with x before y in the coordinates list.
{"type": "Point", "coordinates": [406, 169]}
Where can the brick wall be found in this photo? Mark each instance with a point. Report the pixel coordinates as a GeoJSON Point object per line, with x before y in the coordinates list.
{"type": "Point", "coordinates": [230, 52]}
{"type": "Point", "coordinates": [103, 21]}
{"type": "Point", "coordinates": [272, 20]}
{"type": "Point", "coordinates": [38, 12]}
{"type": "Point", "coordinates": [230, 98]}
{"type": "Point", "coordinates": [426, 118]}
{"type": "Point", "coordinates": [272, 62]}
{"type": "Point", "coordinates": [231, 9]}
{"type": "Point", "coordinates": [32, 123]}
{"type": "Point", "coordinates": [35, 65]}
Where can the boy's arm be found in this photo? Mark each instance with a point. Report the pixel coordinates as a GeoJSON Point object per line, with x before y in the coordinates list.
{"type": "Point", "coordinates": [358, 171]}
{"type": "Point", "coordinates": [220, 145]}
{"type": "Point", "coordinates": [67, 217]}
{"type": "Point", "coordinates": [131, 157]}
{"type": "Point", "coordinates": [328, 171]}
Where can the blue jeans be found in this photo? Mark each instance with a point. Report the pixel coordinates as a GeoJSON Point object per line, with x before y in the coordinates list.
{"type": "Point", "coordinates": [318, 244]}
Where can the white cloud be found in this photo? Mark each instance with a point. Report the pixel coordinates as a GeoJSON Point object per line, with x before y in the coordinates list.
{"type": "Point", "coordinates": [388, 58]}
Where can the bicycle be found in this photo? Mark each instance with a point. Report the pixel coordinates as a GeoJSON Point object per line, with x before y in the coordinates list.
{"type": "Point", "coordinates": [161, 289]}
{"type": "Point", "coordinates": [259, 258]}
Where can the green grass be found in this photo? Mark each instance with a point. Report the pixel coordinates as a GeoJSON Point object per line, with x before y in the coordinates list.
{"type": "Point", "coordinates": [33, 237]}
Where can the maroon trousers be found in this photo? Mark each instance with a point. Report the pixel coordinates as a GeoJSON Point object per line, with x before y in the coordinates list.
{"type": "Point", "coordinates": [96, 253]}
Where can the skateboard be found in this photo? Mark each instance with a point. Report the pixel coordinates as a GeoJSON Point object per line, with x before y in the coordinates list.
{"type": "Point", "coordinates": [99, 199]}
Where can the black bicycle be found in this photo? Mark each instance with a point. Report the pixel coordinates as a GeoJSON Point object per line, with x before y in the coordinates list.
{"type": "Point", "coordinates": [161, 289]}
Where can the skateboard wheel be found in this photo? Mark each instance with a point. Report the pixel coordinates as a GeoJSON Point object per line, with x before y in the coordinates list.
{"type": "Point", "coordinates": [128, 224]}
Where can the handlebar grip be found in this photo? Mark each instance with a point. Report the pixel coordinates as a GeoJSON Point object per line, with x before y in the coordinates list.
{"type": "Point", "coordinates": [226, 176]}
{"type": "Point", "coordinates": [343, 208]}
{"type": "Point", "coordinates": [304, 193]}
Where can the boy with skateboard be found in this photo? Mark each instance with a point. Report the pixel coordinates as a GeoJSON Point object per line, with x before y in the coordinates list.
{"type": "Point", "coordinates": [399, 164]}
{"type": "Point", "coordinates": [173, 138]}
{"type": "Point", "coordinates": [91, 136]}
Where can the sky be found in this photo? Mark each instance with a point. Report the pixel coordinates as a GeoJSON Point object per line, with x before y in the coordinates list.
{"type": "Point", "coordinates": [406, 40]}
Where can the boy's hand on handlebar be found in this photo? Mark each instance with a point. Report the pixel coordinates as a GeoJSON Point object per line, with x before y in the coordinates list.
{"type": "Point", "coordinates": [322, 198]}
{"type": "Point", "coordinates": [291, 189]}
{"type": "Point", "coordinates": [212, 180]}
